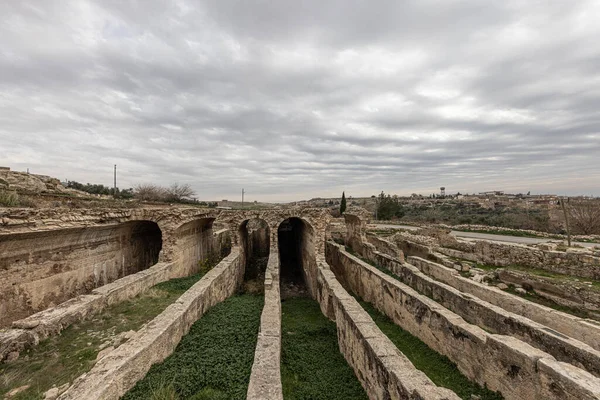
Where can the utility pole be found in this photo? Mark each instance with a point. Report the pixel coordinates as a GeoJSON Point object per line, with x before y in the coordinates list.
{"type": "Point", "coordinates": [562, 204]}
{"type": "Point", "coordinates": [115, 183]}
{"type": "Point", "coordinates": [243, 197]}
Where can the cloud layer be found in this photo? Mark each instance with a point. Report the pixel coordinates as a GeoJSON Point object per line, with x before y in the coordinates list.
{"type": "Point", "coordinates": [298, 99]}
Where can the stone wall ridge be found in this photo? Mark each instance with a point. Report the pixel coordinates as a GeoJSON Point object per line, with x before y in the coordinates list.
{"type": "Point", "coordinates": [265, 377]}
{"type": "Point", "coordinates": [118, 371]}
{"type": "Point", "coordinates": [502, 362]}
{"type": "Point", "coordinates": [382, 369]}
{"type": "Point", "coordinates": [567, 324]}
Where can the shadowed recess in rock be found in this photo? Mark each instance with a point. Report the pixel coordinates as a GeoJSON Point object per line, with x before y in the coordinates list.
{"type": "Point", "coordinates": [41, 269]}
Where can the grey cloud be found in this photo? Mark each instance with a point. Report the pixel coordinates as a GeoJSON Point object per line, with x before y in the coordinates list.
{"type": "Point", "coordinates": [300, 99]}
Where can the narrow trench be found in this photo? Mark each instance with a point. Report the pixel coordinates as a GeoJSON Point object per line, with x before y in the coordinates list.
{"type": "Point", "coordinates": [312, 366]}
{"type": "Point", "coordinates": [214, 360]}
{"type": "Point", "coordinates": [439, 368]}
{"type": "Point", "coordinates": [290, 237]}
{"type": "Point", "coordinates": [257, 244]}
{"type": "Point", "coordinates": [59, 359]}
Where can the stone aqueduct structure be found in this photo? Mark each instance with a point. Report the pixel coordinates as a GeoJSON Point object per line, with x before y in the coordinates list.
{"type": "Point", "coordinates": [60, 266]}
{"type": "Point", "coordinates": [48, 256]}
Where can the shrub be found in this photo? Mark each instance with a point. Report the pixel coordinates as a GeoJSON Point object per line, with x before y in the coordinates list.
{"type": "Point", "coordinates": [9, 198]}
{"type": "Point", "coordinates": [208, 263]}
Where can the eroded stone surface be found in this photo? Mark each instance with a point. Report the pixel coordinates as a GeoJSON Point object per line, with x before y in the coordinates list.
{"type": "Point", "coordinates": [585, 331]}
{"type": "Point", "coordinates": [383, 371]}
{"type": "Point", "coordinates": [119, 370]}
{"type": "Point", "coordinates": [501, 362]}
{"type": "Point", "coordinates": [265, 378]}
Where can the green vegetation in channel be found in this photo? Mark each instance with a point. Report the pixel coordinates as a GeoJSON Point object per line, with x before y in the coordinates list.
{"type": "Point", "coordinates": [60, 359]}
{"type": "Point", "coordinates": [312, 366]}
{"type": "Point", "coordinates": [437, 367]}
{"type": "Point", "coordinates": [213, 361]}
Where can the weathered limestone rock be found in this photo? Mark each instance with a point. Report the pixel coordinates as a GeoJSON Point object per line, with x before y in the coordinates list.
{"type": "Point", "coordinates": [562, 291]}
{"type": "Point", "coordinates": [501, 362]}
{"type": "Point", "coordinates": [12, 356]}
{"type": "Point", "coordinates": [104, 352]}
{"type": "Point", "coordinates": [495, 319]}
{"type": "Point", "coordinates": [16, 391]}
{"type": "Point", "coordinates": [118, 371]}
{"type": "Point", "coordinates": [12, 341]}
{"type": "Point", "coordinates": [51, 394]}
{"type": "Point", "coordinates": [382, 369]}
{"type": "Point", "coordinates": [265, 379]}
{"type": "Point", "coordinates": [575, 262]}
{"type": "Point", "coordinates": [520, 290]}
{"type": "Point", "coordinates": [586, 331]}
{"type": "Point", "coordinates": [23, 182]}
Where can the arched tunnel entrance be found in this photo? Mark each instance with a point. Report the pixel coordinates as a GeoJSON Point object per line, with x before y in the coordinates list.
{"type": "Point", "coordinates": [146, 243]}
{"type": "Point", "coordinates": [40, 269]}
{"type": "Point", "coordinates": [255, 241]}
{"type": "Point", "coordinates": [296, 256]}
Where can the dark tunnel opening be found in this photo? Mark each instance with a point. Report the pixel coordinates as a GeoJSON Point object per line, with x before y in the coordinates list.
{"type": "Point", "coordinates": [41, 269]}
{"type": "Point", "coordinates": [146, 243]}
{"type": "Point", "coordinates": [292, 240]}
{"type": "Point", "coordinates": [255, 238]}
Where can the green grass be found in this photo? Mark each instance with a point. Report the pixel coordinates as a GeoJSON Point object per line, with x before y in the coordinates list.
{"type": "Point", "coordinates": [437, 367]}
{"type": "Point", "coordinates": [312, 366]}
{"type": "Point", "coordinates": [60, 359]}
{"type": "Point", "coordinates": [214, 360]}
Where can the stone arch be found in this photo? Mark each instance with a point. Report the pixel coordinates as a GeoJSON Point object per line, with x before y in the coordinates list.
{"type": "Point", "coordinates": [254, 238]}
{"type": "Point", "coordinates": [297, 247]}
{"type": "Point", "coordinates": [47, 267]}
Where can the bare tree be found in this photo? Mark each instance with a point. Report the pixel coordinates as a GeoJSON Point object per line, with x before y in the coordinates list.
{"type": "Point", "coordinates": [149, 192]}
{"type": "Point", "coordinates": [584, 215]}
{"type": "Point", "coordinates": [177, 192]}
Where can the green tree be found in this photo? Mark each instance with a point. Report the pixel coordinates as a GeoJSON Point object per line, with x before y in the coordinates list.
{"type": "Point", "coordinates": [389, 207]}
{"type": "Point", "coordinates": [343, 203]}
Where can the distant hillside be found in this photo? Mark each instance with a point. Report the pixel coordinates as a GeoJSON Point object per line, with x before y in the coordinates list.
{"type": "Point", "coordinates": [24, 183]}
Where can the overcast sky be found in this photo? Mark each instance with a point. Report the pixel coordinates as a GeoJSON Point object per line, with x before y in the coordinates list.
{"type": "Point", "coordinates": [299, 99]}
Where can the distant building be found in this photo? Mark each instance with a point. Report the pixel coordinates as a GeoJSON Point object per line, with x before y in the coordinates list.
{"type": "Point", "coordinates": [493, 193]}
